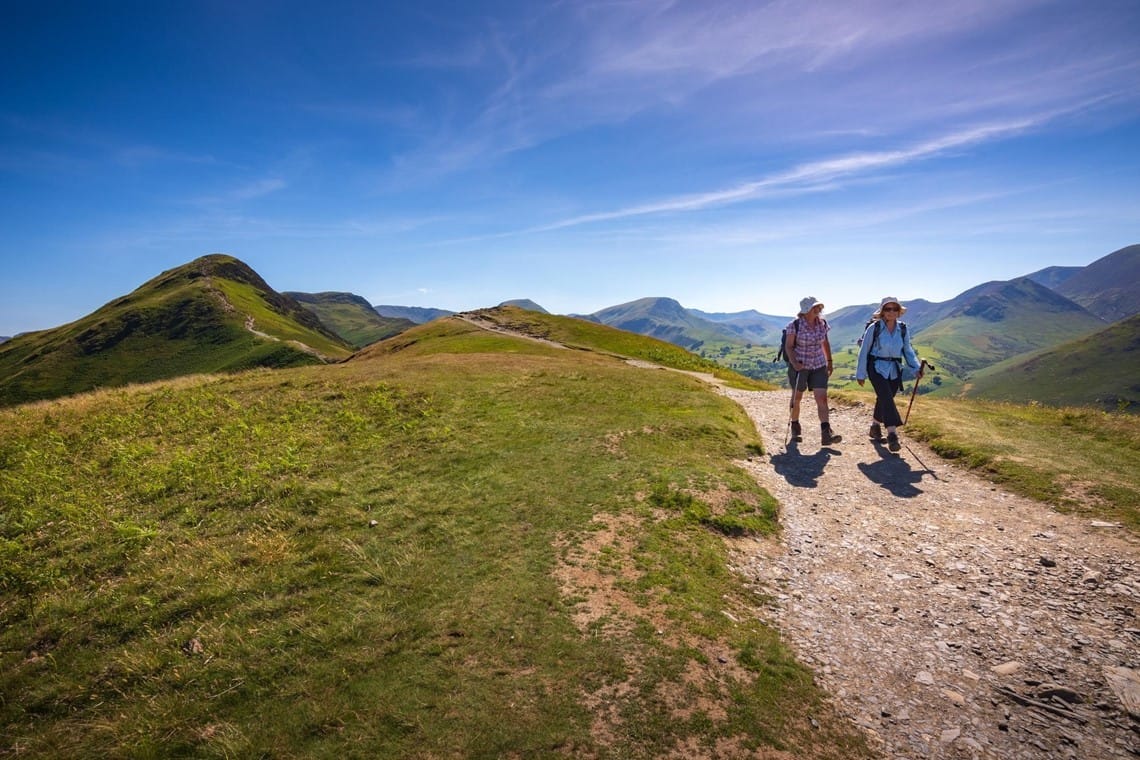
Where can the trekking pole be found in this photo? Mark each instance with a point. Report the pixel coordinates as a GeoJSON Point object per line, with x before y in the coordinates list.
{"type": "Point", "coordinates": [914, 392]}
{"type": "Point", "coordinates": [791, 408]}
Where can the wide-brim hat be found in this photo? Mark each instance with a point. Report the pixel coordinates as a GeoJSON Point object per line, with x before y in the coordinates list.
{"type": "Point", "coordinates": [889, 299]}
{"type": "Point", "coordinates": [808, 304]}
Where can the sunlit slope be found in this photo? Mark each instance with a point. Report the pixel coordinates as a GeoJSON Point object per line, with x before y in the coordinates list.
{"type": "Point", "coordinates": [1101, 370]}
{"type": "Point", "coordinates": [449, 548]}
{"type": "Point", "coordinates": [999, 320]}
{"type": "Point", "coordinates": [214, 314]}
{"type": "Point", "coordinates": [351, 317]}
{"type": "Point", "coordinates": [549, 332]}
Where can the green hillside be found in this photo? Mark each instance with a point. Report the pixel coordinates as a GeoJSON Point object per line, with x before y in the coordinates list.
{"type": "Point", "coordinates": [1109, 287]}
{"type": "Point", "coordinates": [665, 319]}
{"type": "Point", "coordinates": [1102, 370]}
{"type": "Point", "coordinates": [351, 317]}
{"type": "Point", "coordinates": [464, 544]}
{"type": "Point", "coordinates": [996, 321]}
{"type": "Point", "coordinates": [211, 315]}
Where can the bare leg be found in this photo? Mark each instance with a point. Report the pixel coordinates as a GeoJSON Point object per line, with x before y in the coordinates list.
{"type": "Point", "coordinates": [821, 404]}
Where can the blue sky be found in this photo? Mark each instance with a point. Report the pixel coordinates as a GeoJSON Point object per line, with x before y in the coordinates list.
{"type": "Point", "coordinates": [731, 155]}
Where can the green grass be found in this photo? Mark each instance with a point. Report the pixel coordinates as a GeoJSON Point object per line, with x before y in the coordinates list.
{"type": "Point", "coordinates": [392, 557]}
{"type": "Point", "coordinates": [1078, 459]}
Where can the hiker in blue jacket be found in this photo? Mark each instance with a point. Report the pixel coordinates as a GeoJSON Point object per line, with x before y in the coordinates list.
{"type": "Point", "coordinates": [883, 348]}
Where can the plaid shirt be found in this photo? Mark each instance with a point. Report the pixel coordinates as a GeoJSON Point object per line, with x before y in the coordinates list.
{"type": "Point", "coordinates": [809, 342]}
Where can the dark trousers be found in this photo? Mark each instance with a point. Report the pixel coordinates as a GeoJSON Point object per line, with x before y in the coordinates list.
{"type": "Point", "coordinates": [885, 390]}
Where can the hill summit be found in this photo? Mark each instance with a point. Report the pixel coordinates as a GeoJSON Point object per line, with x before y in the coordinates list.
{"type": "Point", "coordinates": [214, 314]}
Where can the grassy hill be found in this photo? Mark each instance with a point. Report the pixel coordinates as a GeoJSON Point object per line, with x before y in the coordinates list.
{"type": "Point", "coordinates": [351, 317]}
{"type": "Point", "coordinates": [459, 543]}
{"type": "Point", "coordinates": [1109, 287]}
{"type": "Point", "coordinates": [1101, 370]}
{"type": "Point", "coordinates": [214, 314]}
{"type": "Point", "coordinates": [998, 320]}
{"type": "Point", "coordinates": [665, 319]}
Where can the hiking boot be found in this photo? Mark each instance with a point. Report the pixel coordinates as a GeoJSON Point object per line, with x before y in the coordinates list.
{"type": "Point", "coordinates": [828, 437]}
{"type": "Point", "coordinates": [797, 433]}
{"type": "Point", "coordinates": [876, 433]}
{"type": "Point", "coordinates": [893, 441]}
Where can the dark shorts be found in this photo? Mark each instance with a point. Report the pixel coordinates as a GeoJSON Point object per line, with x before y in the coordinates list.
{"type": "Point", "coordinates": [810, 379]}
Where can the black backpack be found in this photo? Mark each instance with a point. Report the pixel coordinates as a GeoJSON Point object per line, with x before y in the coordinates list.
{"type": "Point", "coordinates": [782, 354]}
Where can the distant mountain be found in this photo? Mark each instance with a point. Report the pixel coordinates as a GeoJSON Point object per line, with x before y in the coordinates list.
{"type": "Point", "coordinates": [751, 326]}
{"type": "Point", "coordinates": [1098, 370]}
{"type": "Point", "coordinates": [416, 314]}
{"type": "Point", "coordinates": [1053, 277]}
{"type": "Point", "coordinates": [1109, 287]}
{"type": "Point", "coordinates": [665, 319]}
{"type": "Point", "coordinates": [525, 303]}
{"type": "Point", "coordinates": [214, 314]}
{"type": "Point", "coordinates": [351, 317]}
{"type": "Point", "coordinates": [997, 320]}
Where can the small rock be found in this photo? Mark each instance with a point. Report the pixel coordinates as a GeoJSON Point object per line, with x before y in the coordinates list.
{"type": "Point", "coordinates": [1007, 668]}
{"type": "Point", "coordinates": [1064, 693]}
{"type": "Point", "coordinates": [193, 646]}
{"type": "Point", "coordinates": [954, 697]}
{"type": "Point", "coordinates": [924, 678]}
{"type": "Point", "coordinates": [1048, 562]}
{"type": "Point", "coordinates": [950, 735]}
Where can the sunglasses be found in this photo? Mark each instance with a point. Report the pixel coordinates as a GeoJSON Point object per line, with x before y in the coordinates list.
{"type": "Point", "coordinates": [890, 308]}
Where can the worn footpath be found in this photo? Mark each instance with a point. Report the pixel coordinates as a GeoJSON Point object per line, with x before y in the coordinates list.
{"type": "Point", "coordinates": [946, 617]}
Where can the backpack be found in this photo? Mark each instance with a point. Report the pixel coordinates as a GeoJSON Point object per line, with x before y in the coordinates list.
{"type": "Point", "coordinates": [782, 354]}
{"type": "Point", "coordinates": [878, 329]}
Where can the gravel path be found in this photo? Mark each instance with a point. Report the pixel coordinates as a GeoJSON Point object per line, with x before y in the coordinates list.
{"type": "Point", "coordinates": [947, 618]}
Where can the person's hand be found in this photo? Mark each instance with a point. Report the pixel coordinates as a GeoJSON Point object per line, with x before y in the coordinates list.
{"type": "Point", "coordinates": [861, 381]}
{"type": "Point", "coordinates": [830, 369]}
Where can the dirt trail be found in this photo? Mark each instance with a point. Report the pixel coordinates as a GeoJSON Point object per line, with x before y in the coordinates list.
{"type": "Point", "coordinates": [946, 617]}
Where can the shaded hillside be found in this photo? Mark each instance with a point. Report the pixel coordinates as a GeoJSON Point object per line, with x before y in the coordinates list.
{"type": "Point", "coordinates": [1101, 370]}
{"type": "Point", "coordinates": [1053, 277]}
{"type": "Point", "coordinates": [1108, 287]}
{"type": "Point", "coordinates": [351, 317]}
{"type": "Point", "coordinates": [665, 319]}
{"type": "Point", "coordinates": [417, 314]}
{"type": "Point", "coordinates": [214, 314]}
{"type": "Point", "coordinates": [998, 320]}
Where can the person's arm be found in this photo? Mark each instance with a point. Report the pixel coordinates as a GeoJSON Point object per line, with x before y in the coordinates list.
{"type": "Point", "coordinates": [827, 353]}
{"type": "Point", "coordinates": [864, 351]}
{"type": "Point", "coordinates": [909, 354]}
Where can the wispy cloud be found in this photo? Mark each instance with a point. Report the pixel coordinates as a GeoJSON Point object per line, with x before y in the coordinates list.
{"type": "Point", "coordinates": [804, 177]}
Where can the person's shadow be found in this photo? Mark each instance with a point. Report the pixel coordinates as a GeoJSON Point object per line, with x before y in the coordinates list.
{"type": "Point", "coordinates": [799, 470]}
{"type": "Point", "coordinates": [894, 473]}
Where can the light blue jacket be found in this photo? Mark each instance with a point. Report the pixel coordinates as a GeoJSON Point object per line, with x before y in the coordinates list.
{"type": "Point", "coordinates": [891, 345]}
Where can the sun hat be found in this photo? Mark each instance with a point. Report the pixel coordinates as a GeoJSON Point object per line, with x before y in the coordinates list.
{"type": "Point", "coordinates": [808, 304]}
{"type": "Point", "coordinates": [884, 302]}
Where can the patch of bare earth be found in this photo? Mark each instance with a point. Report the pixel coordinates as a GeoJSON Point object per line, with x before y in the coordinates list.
{"type": "Point", "coordinates": [947, 618]}
{"type": "Point", "coordinates": [595, 570]}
